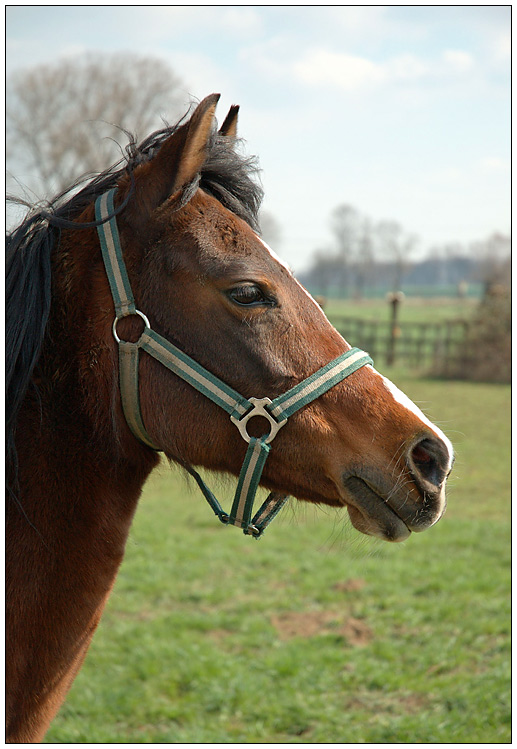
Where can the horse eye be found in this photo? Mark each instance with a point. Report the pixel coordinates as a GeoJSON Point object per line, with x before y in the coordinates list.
{"type": "Point", "coordinates": [248, 295]}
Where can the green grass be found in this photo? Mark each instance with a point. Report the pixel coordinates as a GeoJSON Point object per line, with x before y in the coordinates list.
{"type": "Point", "coordinates": [412, 310]}
{"type": "Point", "coordinates": [315, 634]}
{"type": "Point", "coordinates": [423, 343]}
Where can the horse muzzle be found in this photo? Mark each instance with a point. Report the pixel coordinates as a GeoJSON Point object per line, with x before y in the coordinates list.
{"type": "Point", "coordinates": [412, 499]}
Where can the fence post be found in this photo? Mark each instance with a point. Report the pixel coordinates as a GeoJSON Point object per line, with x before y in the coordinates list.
{"type": "Point", "coordinates": [393, 298]}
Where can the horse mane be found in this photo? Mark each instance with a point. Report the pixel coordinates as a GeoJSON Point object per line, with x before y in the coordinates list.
{"type": "Point", "coordinates": [227, 175]}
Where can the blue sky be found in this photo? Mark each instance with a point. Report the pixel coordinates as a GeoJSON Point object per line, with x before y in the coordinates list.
{"type": "Point", "coordinates": [400, 111]}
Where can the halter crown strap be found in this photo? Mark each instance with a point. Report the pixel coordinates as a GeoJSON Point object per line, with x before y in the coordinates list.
{"type": "Point", "coordinates": [112, 254]}
{"type": "Point", "coordinates": [239, 408]}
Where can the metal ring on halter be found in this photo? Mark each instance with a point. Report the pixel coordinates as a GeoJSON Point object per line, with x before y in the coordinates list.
{"type": "Point", "coordinates": [259, 409]}
{"type": "Point", "coordinates": [122, 317]}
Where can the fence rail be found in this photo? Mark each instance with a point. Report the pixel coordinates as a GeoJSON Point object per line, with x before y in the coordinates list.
{"type": "Point", "coordinates": [417, 345]}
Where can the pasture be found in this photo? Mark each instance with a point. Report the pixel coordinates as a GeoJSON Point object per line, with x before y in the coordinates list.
{"type": "Point", "coordinates": [314, 634]}
{"type": "Point", "coordinates": [413, 309]}
{"type": "Point", "coordinates": [430, 333]}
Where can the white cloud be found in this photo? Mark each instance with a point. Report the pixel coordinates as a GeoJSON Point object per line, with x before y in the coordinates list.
{"type": "Point", "coordinates": [457, 61]}
{"type": "Point", "coordinates": [239, 20]}
{"type": "Point", "coordinates": [166, 22]}
{"type": "Point", "coordinates": [406, 67]}
{"type": "Point", "coordinates": [494, 164]}
{"type": "Point", "coordinates": [73, 50]}
{"type": "Point", "coordinates": [502, 47]}
{"type": "Point", "coordinates": [346, 72]}
{"type": "Point", "coordinates": [499, 50]}
{"type": "Point", "coordinates": [445, 177]}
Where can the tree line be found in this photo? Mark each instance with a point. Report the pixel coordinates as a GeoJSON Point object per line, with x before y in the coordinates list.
{"type": "Point", "coordinates": [367, 256]}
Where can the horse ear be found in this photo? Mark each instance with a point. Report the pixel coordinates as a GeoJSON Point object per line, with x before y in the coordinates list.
{"type": "Point", "coordinates": [179, 160]}
{"type": "Point", "coordinates": [194, 152]}
{"type": "Point", "coordinates": [229, 126]}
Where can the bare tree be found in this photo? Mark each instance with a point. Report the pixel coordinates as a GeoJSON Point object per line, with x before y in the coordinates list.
{"type": "Point", "coordinates": [64, 119]}
{"type": "Point", "coordinates": [493, 260]}
{"type": "Point", "coordinates": [322, 273]}
{"type": "Point", "coordinates": [365, 263]}
{"type": "Point", "coordinates": [397, 247]}
{"type": "Point", "coordinates": [345, 223]}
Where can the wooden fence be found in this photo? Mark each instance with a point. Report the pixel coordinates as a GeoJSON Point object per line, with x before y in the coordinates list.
{"type": "Point", "coordinates": [424, 346]}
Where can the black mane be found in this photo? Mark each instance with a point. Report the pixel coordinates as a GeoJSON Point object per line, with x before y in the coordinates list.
{"type": "Point", "coordinates": [227, 175]}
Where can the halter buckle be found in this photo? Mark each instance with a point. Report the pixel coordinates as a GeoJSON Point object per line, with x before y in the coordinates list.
{"type": "Point", "coordinates": [259, 409]}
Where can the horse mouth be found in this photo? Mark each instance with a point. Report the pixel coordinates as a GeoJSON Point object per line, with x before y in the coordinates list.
{"type": "Point", "coordinates": [372, 514]}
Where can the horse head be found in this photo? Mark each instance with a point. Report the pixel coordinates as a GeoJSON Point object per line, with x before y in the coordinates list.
{"type": "Point", "coordinates": [209, 284]}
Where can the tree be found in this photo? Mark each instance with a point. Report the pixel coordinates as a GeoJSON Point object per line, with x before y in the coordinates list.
{"type": "Point", "coordinates": [365, 264]}
{"type": "Point", "coordinates": [270, 229]}
{"type": "Point", "coordinates": [64, 119]}
{"type": "Point", "coordinates": [354, 240]}
{"type": "Point", "coordinates": [345, 223]}
{"type": "Point", "coordinates": [485, 354]}
{"type": "Point", "coordinates": [493, 260]}
{"type": "Point", "coordinates": [322, 273]}
{"type": "Point", "coordinates": [397, 246]}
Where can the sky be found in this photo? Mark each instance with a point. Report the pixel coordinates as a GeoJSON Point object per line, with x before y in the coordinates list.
{"type": "Point", "coordinates": [400, 111]}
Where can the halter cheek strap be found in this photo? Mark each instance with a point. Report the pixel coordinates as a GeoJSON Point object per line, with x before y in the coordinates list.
{"type": "Point", "coordinates": [239, 408]}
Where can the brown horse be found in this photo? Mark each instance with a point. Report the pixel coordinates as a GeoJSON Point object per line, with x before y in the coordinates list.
{"type": "Point", "coordinates": [186, 209]}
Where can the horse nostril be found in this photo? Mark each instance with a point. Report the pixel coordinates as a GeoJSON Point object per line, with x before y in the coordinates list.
{"type": "Point", "coordinates": [421, 456]}
{"type": "Point", "coordinates": [429, 461]}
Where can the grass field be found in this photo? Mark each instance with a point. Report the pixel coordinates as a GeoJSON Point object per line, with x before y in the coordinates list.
{"type": "Point", "coordinates": [315, 634]}
{"type": "Point", "coordinates": [424, 343]}
{"type": "Point", "coordinates": [412, 309]}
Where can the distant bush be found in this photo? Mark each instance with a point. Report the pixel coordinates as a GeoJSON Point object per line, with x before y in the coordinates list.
{"type": "Point", "coordinates": [485, 354]}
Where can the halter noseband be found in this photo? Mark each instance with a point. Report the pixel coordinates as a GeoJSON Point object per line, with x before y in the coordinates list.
{"type": "Point", "coordinates": [239, 408]}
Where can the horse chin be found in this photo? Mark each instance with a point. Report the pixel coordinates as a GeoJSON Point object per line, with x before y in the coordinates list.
{"type": "Point", "coordinates": [370, 514]}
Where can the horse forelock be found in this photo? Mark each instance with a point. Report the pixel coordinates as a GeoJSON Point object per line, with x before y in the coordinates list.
{"type": "Point", "coordinates": [232, 179]}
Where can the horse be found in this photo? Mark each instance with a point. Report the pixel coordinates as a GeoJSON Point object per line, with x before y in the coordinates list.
{"type": "Point", "coordinates": [180, 227]}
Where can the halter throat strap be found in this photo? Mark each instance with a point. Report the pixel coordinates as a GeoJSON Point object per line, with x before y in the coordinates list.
{"type": "Point", "coordinates": [239, 408]}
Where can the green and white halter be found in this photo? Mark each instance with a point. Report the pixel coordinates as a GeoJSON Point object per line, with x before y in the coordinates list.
{"type": "Point", "coordinates": [239, 408]}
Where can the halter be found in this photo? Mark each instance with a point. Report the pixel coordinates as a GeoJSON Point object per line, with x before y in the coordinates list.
{"type": "Point", "coordinates": [239, 408]}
